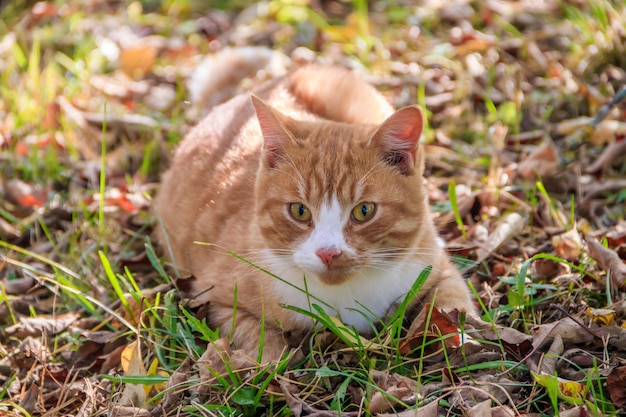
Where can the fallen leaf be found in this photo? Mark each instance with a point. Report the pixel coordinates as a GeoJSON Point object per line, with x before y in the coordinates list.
{"type": "Point", "coordinates": [428, 410]}
{"type": "Point", "coordinates": [440, 326]}
{"type": "Point", "coordinates": [568, 245]}
{"type": "Point", "coordinates": [570, 391]}
{"type": "Point", "coordinates": [394, 389]}
{"type": "Point", "coordinates": [515, 342]}
{"type": "Point", "coordinates": [611, 153]}
{"type": "Point", "coordinates": [549, 360]}
{"type": "Point", "coordinates": [542, 162]}
{"type": "Point", "coordinates": [24, 194]}
{"type": "Point", "coordinates": [508, 227]}
{"type": "Point", "coordinates": [137, 61]}
{"type": "Point", "coordinates": [481, 409]}
{"type": "Point", "coordinates": [616, 384]}
{"type": "Point", "coordinates": [568, 329]}
{"type": "Point", "coordinates": [43, 9]}
{"type": "Point", "coordinates": [608, 260]}
{"type": "Point", "coordinates": [125, 411]}
{"type": "Point", "coordinates": [132, 364]}
{"type": "Point", "coordinates": [177, 381]}
{"type": "Point", "coordinates": [37, 326]}
{"type": "Point", "coordinates": [603, 316]}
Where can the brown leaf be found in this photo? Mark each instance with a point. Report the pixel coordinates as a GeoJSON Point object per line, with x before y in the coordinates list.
{"type": "Point", "coordinates": [515, 342]}
{"type": "Point", "coordinates": [481, 409]}
{"type": "Point", "coordinates": [612, 152]}
{"type": "Point", "coordinates": [568, 245]}
{"type": "Point", "coordinates": [608, 260]}
{"type": "Point", "coordinates": [542, 162]}
{"type": "Point", "coordinates": [440, 324]}
{"type": "Point", "coordinates": [124, 411]}
{"type": "Point", "coordinates": [136, 62]}
{"type": "Point", "coordinates": [508, 227]}
{"type": "Point", "coordinates": [37, 326]}
{"type": "Point", "coordinates": [568, 329]}
{"type": "Point", "coordinates": [26, 195]}
{"type": "Point", "coordinates": [616, 384]}
{"type": "Point", "coordinates": [132, 364]}
{"type": "Point", "coordinates": [30, 398]}
{"type": "Point", "coordinates": [19, 285]}
{"type": "Point", "coordinates": [178, 379]}
{"type": "Point", "coordinates": [43, 9]}
{"type": "Point", "coordinates": [429, 410]}
{"type": "Point", "coordinates": [397, 388]}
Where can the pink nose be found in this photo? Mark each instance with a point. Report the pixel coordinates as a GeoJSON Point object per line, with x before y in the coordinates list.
{"type": "Point", "coordinates": [328, 255]}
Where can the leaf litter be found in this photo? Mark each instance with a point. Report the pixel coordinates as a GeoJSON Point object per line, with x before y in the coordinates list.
{"type": "Point", "coordinates": [525, 104]}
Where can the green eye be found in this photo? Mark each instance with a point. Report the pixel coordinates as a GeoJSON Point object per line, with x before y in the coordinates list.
{"type": "Point", "coordinates": [300, 212]}
{"type": "Point", "coordinates": [363, 212]}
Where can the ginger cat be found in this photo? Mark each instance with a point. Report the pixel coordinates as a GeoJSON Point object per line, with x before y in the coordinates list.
{"type": "Point", "coordinates": [316, 179]}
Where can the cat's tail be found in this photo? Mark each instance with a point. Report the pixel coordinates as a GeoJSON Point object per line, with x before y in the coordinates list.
{"type": "Point", "coordinates": [339, 94]}
{"type": "Point", "coordinates": [219, 76]}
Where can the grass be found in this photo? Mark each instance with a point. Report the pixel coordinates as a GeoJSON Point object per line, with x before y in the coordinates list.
{"type": "Point", "coordinates": [85, 239]}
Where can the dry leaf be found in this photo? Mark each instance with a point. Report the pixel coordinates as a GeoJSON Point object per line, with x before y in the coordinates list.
{"type": "Point", "coordinates": [570, 391]}
{"type": "Point", "coordinates": [37, 326]}
{"type": "Point", "coordinates": [398, 389]}
{"type": "Point", "coordinates": [568, 329]}
{"type": "Point", "coordinates": [26, 195]}
{"type": "Point", "coordinates": [607, 130]}
{"type": "Point", "coordinates": [549, 360]}
{"type": "Point", "coordinates": [440, 326]}
{"type": "Point", "coordinates": [132, 364]}
{"type": "Point", "coordinates": [602, 316]}
{"type": "Point", "coordinates": [612, 152]}
{"type": "Point", "coordinates": [177, 381]}
{"type": "Point", "coordinates": [137, 61]}
{"type": "Point", "coordinates": [616, 384]}
{"type": "Point", "coordinates": [608, 260]}
{"type": "Point", "coordinates": [482, 409]}
{"type": "Point", "coordinates": [125, 411]}
{"type": "Point", "coordinates": [508, 227]}
{"type": "Point", "coordinates": [568, 245]}
{"type": "Point", "coordinates": [542, 162]}
{"type": "Point", "coordinates": [429, 410]}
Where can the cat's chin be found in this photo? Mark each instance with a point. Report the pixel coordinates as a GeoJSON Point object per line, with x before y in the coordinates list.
{"type": "Point", "coordinates": [334, 277]}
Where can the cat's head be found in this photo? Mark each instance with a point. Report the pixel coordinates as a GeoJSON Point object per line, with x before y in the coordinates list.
{"type": "Point", "coordinates": [335, 198]}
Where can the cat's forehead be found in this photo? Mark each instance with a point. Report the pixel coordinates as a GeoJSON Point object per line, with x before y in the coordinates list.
{"type": "Point", "coordinates": [335, 162]}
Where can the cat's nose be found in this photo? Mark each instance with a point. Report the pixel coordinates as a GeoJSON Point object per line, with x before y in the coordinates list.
{"type": "Point", "coordinates": [328, 255]}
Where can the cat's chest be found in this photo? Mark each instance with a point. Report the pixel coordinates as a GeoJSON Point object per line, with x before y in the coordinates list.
{"type": "Point", "coordinates": [359, 302]}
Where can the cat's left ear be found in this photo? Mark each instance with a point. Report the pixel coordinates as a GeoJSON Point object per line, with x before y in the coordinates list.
{"type": "Point", "coordinates": [398, 139]}
{"type": "Point", "coordinates": [275, 135]}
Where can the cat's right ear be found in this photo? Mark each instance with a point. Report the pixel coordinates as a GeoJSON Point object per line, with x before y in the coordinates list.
{"type": "Point", "coordinates": [275, 135]}
{"type": "Point", "coordinates": [398, 140]}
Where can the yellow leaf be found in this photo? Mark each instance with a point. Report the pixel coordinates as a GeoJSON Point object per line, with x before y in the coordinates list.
{"type": "Point", "coordinates": [152, 370]}
{"type": "Point", "coordinates": [602, 316]}
{"type": "Point", "coordinates": [570, 391]}
{"type": "Point", "coordinates": [131, 360]}
{"type": "Point", "coordinates": [136, 62]}
{"type": "Point", "coordinates": [132, 364]}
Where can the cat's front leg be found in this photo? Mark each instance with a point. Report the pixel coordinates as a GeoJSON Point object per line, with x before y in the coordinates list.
{"type": "Point", "coordinates": [249, 333]}
{"type": "Point", "coordinates": [451, 292]}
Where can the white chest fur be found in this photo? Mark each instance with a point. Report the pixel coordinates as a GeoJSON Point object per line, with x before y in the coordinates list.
{"type": "Point", "coordinates": [358, 302]}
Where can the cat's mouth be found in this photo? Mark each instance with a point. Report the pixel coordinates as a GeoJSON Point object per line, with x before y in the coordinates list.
{"type": "Point", "coordinates": [335, 276]}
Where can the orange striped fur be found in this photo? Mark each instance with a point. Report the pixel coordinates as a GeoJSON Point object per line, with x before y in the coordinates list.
{"type": "Point", "coordinates": [317, 180]}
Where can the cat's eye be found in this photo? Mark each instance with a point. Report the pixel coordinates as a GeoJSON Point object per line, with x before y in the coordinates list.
{"type": "Point", "coordinates": [300, 212]}
{"type": "Point", "coordinates": [363, 212]}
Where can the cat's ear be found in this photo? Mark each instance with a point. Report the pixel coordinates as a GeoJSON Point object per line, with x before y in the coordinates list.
{"type": "Point", "coordinates": [398, 139]}
{"type": "Point", "coordinates": [275, 134]}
